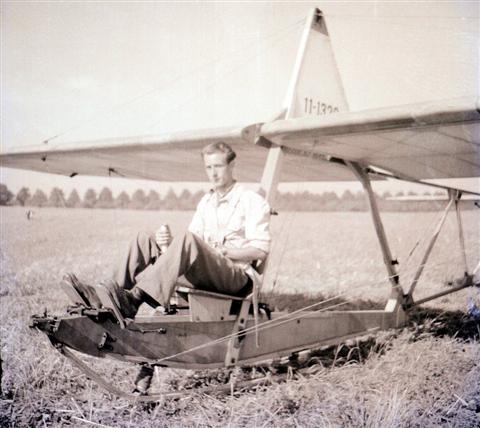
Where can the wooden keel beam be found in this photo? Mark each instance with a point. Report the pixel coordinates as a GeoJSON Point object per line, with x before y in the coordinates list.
{"type": "Point", "coordinates": [175, 341]}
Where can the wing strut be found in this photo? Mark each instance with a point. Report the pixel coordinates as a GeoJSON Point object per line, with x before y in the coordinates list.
{"type": "Point", "coordinates": [390, 263]}
{"type": "Point", "coordinates": [467, 280]}
{"type": "Point", "coordinates": [460, 232]}
{"type": "Point", "coordinates": [271, 174]}
{"type": "Point", "coordinates": [433, 239]}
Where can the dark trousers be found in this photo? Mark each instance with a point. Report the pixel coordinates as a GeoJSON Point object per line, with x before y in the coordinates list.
{"type": "Point", "coordinates": [188, 255]}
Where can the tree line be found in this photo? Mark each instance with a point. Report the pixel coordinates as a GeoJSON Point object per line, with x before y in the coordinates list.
{"type": "Point", "coordinates": [103, 199]}
{"type": "Point", "coordinates": [304, 201]}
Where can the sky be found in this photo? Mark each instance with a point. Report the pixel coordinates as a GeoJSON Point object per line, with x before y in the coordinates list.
{"type": "Point", "coordinates": [86, 70]}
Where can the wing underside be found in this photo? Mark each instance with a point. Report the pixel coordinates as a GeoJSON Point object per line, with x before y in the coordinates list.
{"type": "Point", "coordinates": [421, 142]}
{"type": "Point", "coordinates": [426, 141]}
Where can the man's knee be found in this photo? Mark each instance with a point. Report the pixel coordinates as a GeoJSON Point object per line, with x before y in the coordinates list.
{"type": "Point", "coordinates": [187, 239]}
{"type": "Point", "coordinates": [144, 238]}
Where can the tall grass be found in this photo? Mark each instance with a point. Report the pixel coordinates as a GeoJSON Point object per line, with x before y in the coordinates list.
{"type": "Point", "coordinates": [426, 375]}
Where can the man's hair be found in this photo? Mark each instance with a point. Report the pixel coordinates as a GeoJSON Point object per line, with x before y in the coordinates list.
{"type": "Point", "coordinates": [219, 147]}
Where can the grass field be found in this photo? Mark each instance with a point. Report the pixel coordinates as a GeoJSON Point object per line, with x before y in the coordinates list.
{"type": "Point", "coordinates": [427, 374]}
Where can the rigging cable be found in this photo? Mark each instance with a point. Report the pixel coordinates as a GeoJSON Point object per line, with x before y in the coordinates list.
{"type": "Point", "coordinates": [233, 70]}
{"type": "Point", "coordinates": [278, 33]}
{"type": "Point", "coordinates": [287, 317]}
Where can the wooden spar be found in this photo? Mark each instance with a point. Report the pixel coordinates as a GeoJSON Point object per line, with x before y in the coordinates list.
{"type": "Point", "coordinates": [467, 282]}
{"type": "Point", "coordinates": [477, 268]}
{"type": "Point", "coordinates": [460, 231]}
{"type": "Point", "coordinates": [402, 177]}
{"type": "Point", "coordinates": [271, 174]}
{"type": "Point", "coordinates": [433, 239]}
{"type": "Point", "coordinates": [377, 221]}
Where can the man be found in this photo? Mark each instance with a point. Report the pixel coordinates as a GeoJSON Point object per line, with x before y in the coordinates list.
{"type": "Point", "coordinates": [229, 231]}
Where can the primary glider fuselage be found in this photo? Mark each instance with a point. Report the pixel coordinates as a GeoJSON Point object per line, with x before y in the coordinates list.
{"type": "Point", "coordinates": [313, 138]}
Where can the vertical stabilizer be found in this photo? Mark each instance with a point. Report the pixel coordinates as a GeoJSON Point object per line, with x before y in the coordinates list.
{"type": "Point", "coordinates": [315, 87]}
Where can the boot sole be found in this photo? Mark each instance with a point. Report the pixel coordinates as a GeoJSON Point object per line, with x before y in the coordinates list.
{"type": "Point", "coordinates": [109, 302]}
{"type": "Point", "coordinates": [72, 293]}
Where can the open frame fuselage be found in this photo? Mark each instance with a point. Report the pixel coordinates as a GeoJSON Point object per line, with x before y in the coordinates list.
{"type": "Point", "coordinates": [217, 330]}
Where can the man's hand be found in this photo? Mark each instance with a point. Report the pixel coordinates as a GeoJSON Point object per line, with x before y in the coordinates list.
{"type": "Point", "coordinates": [163, 238]}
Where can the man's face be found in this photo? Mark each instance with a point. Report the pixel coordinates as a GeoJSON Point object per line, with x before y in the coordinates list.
{"type": "Point", "coordinates": [219, 171]}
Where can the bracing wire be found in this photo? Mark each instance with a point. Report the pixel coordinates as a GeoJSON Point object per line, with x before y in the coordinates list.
{"type": "Point", "coordinates": [235, 69]}
{"type": "Point", "coordinates": [420, 242]}
{"type": "Point", "coordinates": [288, 317]}
{"type": "Point", "coordinates": [210, 63]}
{"type": "Point", "coordinates": [278, 33]}
{"type": "Point", "coordinates": [262, 327]}
{"type": "Point", "coordinates": [475, 18]}
{"type": "Point", "coordinates": [396, 21]}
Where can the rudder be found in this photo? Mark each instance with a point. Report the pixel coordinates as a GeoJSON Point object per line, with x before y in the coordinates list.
{"type": "Point", "coordinates": [315, 88]}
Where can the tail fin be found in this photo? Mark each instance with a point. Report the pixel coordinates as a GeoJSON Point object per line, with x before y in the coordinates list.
{"type": "Point", "coordinates": [315, 87]}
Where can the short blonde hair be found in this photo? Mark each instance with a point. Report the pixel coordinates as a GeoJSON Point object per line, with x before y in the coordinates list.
{"type": "Point", "coordinates": [219, 147]}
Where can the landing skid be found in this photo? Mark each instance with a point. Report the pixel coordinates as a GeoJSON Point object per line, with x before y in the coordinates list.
{"type": "Point", "coordinates": [161, 396]}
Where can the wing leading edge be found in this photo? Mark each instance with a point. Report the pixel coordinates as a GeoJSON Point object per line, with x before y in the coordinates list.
{"type": "Point", "coordinates": [420, 142]}
{"type": "Point", "coordinates": [170, 158]}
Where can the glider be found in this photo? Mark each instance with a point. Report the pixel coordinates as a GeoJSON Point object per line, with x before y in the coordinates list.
{"type": "Point", "coordinates": [314, 137]}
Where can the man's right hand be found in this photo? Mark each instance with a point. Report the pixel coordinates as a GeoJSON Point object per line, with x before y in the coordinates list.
{"type": "Point", "coordinates": [163, 238]}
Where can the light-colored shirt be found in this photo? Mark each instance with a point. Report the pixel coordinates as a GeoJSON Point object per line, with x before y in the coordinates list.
{"type": "Point", "coordinates": [238, 219]}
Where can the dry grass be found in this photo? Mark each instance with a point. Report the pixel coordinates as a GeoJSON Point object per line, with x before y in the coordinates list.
{"type": "Point", "coordinates": [426, 375]}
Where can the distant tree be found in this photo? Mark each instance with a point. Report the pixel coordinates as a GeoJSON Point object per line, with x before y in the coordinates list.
{"type": "Point", "coordinates": [89, 199]}
{"type": "Point", "coordinates": [347, 196]}
{"type": "Point", "coordinates": [359, 202]}
{"type": "Point", "coordinates": [74, 200]}
{"type": "Point", "coordinates": [386, 195]}
{"type": "Point", "coordinates": [56, 198]}
{"type": "Point", "coordinates": [332, 201]}
{"type": "Point", "coordinates": [122, 200]}
{"type": "Point", "coordinates": [23, 196]}
{"type": "Point", "coordinates": [5, 195]}
{"type": "Point", "coordinates": [196, 197]}
{"type": "Point", "coordinates": [39, 199]}
{"type": "Point", "coordinates": [411, 193]}
{"type": "Point", "coordinates": [399, 194]}
{"type": "Point", "coordinates": [185, 200]}
{"type": "Point", "coordinates": [307, 201]}
{"type": "Point", "coordinates": [330, 196]}
{"type": "Point", "coordinates": [154, 201]}
{"type": "Point", "coordinates": [170, 201]}
{"type": "Point", "coordinates": [105, 199]}
{"type": "Point", "coordinates": [139, 200]}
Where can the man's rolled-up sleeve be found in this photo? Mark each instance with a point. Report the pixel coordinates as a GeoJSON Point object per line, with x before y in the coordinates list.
{"type": "Point", "coordinates": [257, 223]}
